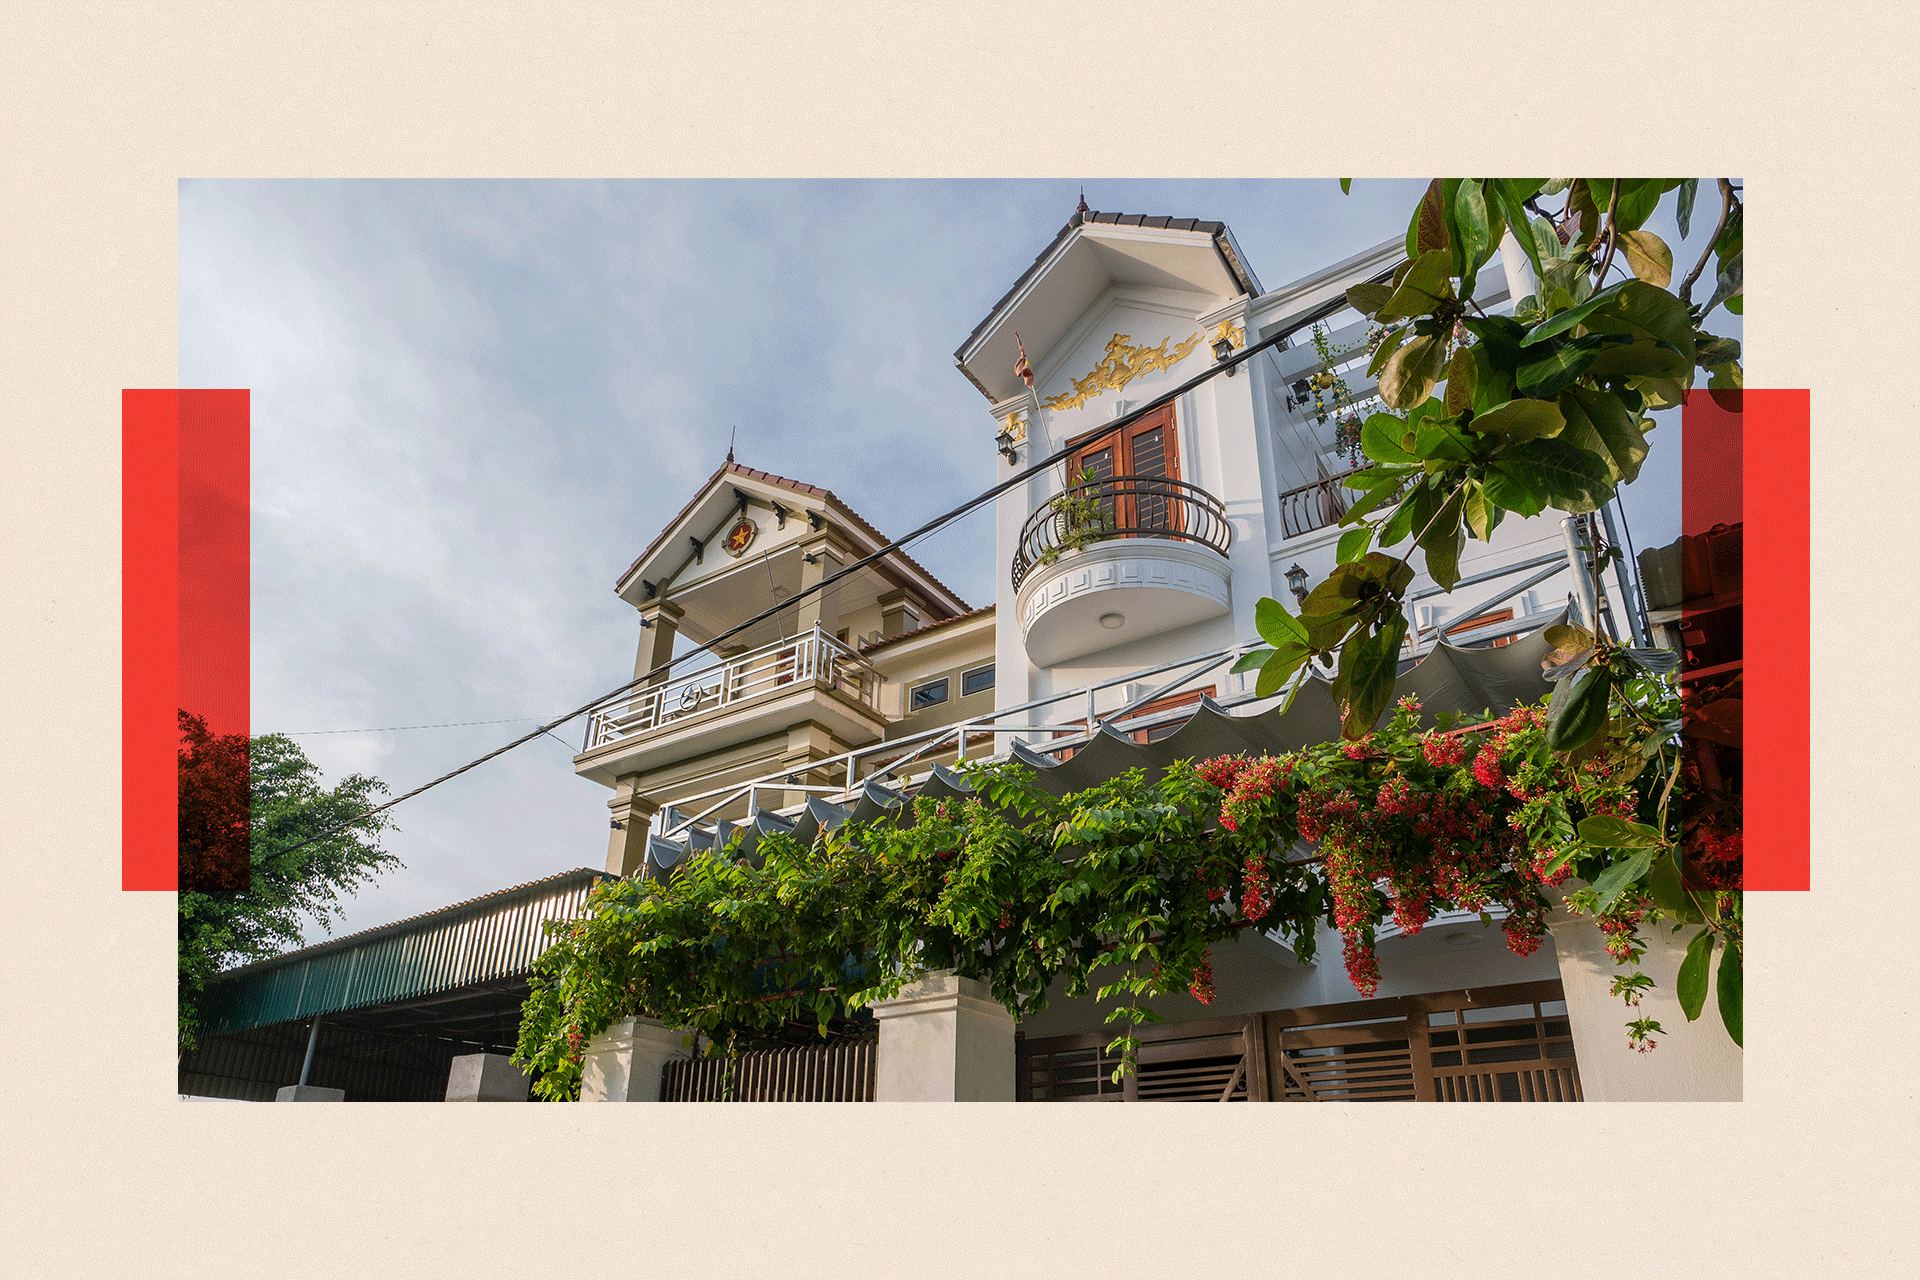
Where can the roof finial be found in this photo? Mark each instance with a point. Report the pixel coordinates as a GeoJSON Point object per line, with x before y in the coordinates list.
{"type": "Point", "coordinates": [1082, 206]}
{"type": "Point", "coordinates": [730, 438]}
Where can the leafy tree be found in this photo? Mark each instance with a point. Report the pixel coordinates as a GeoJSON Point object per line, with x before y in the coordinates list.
{"type": "Point", "coordinates": [213, 807]}
{"type": "Point", "coordinates": [286, 805]}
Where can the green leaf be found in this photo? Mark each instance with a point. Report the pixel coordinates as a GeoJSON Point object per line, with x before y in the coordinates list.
{"type": "Point", "coordinates": [1730, 993]}
{"type": "Point", "coordinates": [1388, 345]}
{"type": "Point", "coordinates": [1368, 298]}
{"type": "Point", "coordinates": [1479, 518]}
{"type": "Point", "coordinates": [1546, 242]}
{"type": "Point", "coordinates": [1639, 197]}
{"type": "Point", "coordinates": [1690, 985]}
{"type": "Point", "coordinates": [1428, 230]}
{"type": "Point", "coordinates": [1640, 356]}
{"type": "Point", "coordinates": [1353, 544]}
{"type": "Point", "coordinates": [1520, 420]}
{"type": "Point", "coordinates": [1370, 688]}
{"type": "Point", "coordinates": [1442, 542]}
{"type": "Point", "coordinates": [1641, 310]}
{"type": "Point", "coordinates": [1568, 637]}
{"type": "Point", "coordinates": [1557, 366]}
{"type": "Point", "coordinates": [1649, 257]}
{"type": "Point", "coordinates": [1601, 301]}
{"type": "Point", "coordinates": [1383, 438]}
{"type": "Point", "coordinates": [1400, 523]}
{"type": "Point", "coordinates": [1709, 350]}
{"type": "Point", "coordinates": [1423, 288]}
{"type": "Point", "coordinates": [1285, 661]}
{"type": "Point", "coordinates": [1411, 372]}
{"type": "Point", "coordinates": [1462, 373]}
{"type": "Point", "coordinates": [1583, 714]}
{"type": "Point", "coordinates": [1438, 439]}
{"type": "Point", "coordinates": [1512, 491]}
{"type": "Point", "coordinates": [1603, 831]}
{"type": "Point", "coordinates": [1251, 660]}
{"type": "Point", "coordinates": [1612, 882]}
{"type": "Point", "coordinates": [1683, 214]}
{"type": "Point", "coordinates": [1565, 475]}
{"type": "Point", "coordinates": [1670, 895]}
{"type": "Point", "coordinates": [1346, 185]}
{"type": "Point", "coordinates": [1598, 421]}
{"type": "Point", "coordinates": [1492, 386]}
{"type": "Point", "coordinates": [1727, 285]}
{"type": "Point", "coordinates": [1376, 497]}
{"type": "Point", "coordinates": [1276, 626]}
{"type": "Point", "coordinates": [1465, 209]}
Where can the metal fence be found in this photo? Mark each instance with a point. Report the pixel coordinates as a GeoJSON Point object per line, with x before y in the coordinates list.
{"type": "Point", "coordinates": [840, 1071]}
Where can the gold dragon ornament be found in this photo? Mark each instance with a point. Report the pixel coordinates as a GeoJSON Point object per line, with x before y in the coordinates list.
{"type": "Point", "coordinates": [1122, 364]}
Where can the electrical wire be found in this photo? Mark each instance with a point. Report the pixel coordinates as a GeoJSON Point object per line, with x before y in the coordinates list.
{"type": "Point", "coordinates": [395, 728]}
{"type": "Point", "coordinates": [931, 526]}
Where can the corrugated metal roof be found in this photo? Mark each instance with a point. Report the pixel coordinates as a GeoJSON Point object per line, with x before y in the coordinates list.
{"type": "Point", "coordinates": [497, 935]}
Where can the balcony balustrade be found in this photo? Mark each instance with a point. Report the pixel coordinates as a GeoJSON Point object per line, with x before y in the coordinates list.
{"type": "Point", "coordinates": [813, 659]}
{"type": "Point", "coordinates": [1119, 559]}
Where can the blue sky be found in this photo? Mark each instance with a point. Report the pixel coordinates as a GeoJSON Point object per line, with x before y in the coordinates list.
{"type": "Point", "coordinates": [475, 402]}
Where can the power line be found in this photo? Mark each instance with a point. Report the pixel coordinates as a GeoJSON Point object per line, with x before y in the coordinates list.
{"type": "Point", "coordinates": [395, 728]}
{"type": "Point", "coordinates": [938, 522]}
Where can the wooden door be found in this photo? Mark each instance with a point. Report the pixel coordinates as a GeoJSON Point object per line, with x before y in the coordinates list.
{"type": "Point", "coordinates": [1145, 450]}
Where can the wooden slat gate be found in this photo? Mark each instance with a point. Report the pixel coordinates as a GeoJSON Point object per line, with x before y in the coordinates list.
{"type": "Point", "coordinates": [1488, 1044]}
{"type": "Point", "coordinates": [841, 1071]}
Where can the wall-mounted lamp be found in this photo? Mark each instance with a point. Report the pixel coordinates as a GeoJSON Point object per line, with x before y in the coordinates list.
{"type": "Point", "coordinates": [617, 824]}
{"type": "Point", "coordinates": [1222, 351]}
{"type": "Point", "coordinates": [1004, 443]}
{"type": "Point", "coordinates": [1297, 583]}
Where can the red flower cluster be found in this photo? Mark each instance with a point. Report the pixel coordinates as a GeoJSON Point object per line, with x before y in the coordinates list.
{"type": "Point", "coordinates": [1486, 768]}
{"type": "Point", "coordinates": [1442, 752]}
{"type": "Point", "coordinates": [1255, 783]}
{"type": "Point", "coordinates": [1363, 967]}
{"type": "Point", "coordinates": [1254, 887]}
{"type": "Point", "coordinates": [1202, 986]}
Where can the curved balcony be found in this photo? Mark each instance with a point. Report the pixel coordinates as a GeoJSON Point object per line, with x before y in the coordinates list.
{"type": "Point", "coordinates": [1111, 561]}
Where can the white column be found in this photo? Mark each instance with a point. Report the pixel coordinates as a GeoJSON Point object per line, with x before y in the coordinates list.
{"type": "Point", "coordinates": [944, 1039]}
{"type": "Point", "coordinates": [624, 1062]}
{"type": "Point", "coordinates": [309, 1093]}
{"type": "Point", "coordinates": [1694, 1061]}
{"type": "Point", "coordinates": [486, 1077]}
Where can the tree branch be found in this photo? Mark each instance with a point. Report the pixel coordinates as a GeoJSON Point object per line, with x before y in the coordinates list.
{"type": "Point", "coordinates": [1613, 235]}
{"type": "Point", "coordinates": [1726, 211]}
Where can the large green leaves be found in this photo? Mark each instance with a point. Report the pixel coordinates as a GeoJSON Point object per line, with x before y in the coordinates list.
{"type": "Point", "coordinates": [1555, 472]}
{"type": "Point", "coordinates": [1648, 256]}
{"type": "Point", "coordinates": [1411, 373]}
{"type": "Point", "coordinates": [1370, 677]}
{"type": "Point", "coordinates": [1690, 985]}
{"type": "Point", "coordinates": [1604, 831]}
{"type": "Point", "coordinates": [1579, 709]}
{"type": "Point", "coordinates": [1730, 986]}
{"type": "Point", "coordinates": [1276, 626]}
{"type": "Point", "coordinates": [1555, 366]}
{"type": "Point", "coordinates": [1520, 420]}
{"type": "Point", "coordinates": [1599, 422]}
{"type": "Point", "coordinates": [1424, 287]}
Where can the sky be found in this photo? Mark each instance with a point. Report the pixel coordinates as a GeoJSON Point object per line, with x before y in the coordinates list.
{"type": "Point", "coordinates": [474, 403]}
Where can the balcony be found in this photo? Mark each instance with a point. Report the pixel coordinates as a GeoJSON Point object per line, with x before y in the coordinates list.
{"type": "Point", "coordinates": [812, 677]}
{"type": "Point", "coordinates": [1116, 560]}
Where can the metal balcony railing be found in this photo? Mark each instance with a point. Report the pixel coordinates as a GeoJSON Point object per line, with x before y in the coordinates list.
{"type": "Point", "coordinates": [1120, 507]}
{"type": "Point", "coordinates": [813, 657]}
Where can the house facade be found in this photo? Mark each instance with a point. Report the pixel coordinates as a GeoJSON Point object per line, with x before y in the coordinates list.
{"type": "Point", "coordinates": [1127, 576]}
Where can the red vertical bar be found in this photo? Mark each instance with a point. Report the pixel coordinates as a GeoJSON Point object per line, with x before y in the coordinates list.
{"type": "Point", "coordinates": [214, 558]}
{"type": "Point", "coordinates": [149, 637]}
{"type": "Point", "coordinates": [1779, 661]}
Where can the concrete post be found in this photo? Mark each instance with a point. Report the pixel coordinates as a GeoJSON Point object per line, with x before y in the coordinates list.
{"type": "Point", "coordinates": [944, 1039]}
{"type": "Point", "coordinates": [900, 612]}
{"type": "Point", "coordinates": [1694, 1061]}
{"type": "Point", "coordinates": [486, 1077]}
{"type": "Point", "coordinates": [624, 1062]}
{"type": "Point", "coordinates": [632, 818]}
{"type": "Point", "coordinates": [822, 607]}
{"type": "Point", "coordinates": [659, 625]}
{"type": "Point", "coordinates": [309, 1093]}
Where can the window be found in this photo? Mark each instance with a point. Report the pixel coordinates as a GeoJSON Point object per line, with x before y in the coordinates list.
{"type": "Point", "coordinates": [930, 694]}
{"type": "Point", "coordinates": [1145, 450]}
{"type": "Point", "coordinates": [978, 680]}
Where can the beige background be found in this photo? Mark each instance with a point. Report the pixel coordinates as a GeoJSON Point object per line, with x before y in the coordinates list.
{"type": "Point", "coordinates": [103, 107]}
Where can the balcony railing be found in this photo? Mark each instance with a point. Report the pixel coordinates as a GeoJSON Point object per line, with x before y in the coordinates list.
{"type": "Point", "coordinates": [1317, 505]}
{"type": "Point", "coordinates": [1121, 507]}
{"type": "Point", "coordinates": [814, 658]}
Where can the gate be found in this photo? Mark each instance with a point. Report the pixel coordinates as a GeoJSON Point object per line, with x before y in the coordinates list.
{"type": "Point", "coordinates": [841, 1071]}
{"type": "Point", "coordinates": [1487, 1044]}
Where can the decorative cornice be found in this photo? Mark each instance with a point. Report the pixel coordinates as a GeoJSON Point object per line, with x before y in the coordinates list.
{"type": "Point", "coordinates": [1122, 363]}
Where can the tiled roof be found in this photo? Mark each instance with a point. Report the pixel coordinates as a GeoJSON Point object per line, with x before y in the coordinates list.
{"type": "Point", "coordinates": [797, 486]}
{"type": "Point", "coordinates": [908, 635]}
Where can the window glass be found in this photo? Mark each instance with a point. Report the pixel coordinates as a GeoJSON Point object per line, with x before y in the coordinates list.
{"type": "Point", "coordinates": [978, 680]}
{"type": "Point", "coordinates": [931, 694]}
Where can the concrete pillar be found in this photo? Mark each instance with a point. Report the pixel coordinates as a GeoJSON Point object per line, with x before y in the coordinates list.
{"type": "Point", "coordinates": [900, 612]}
{"type": "Point", "coordinates": [1694, 1062]}
{"type": "Point", "coordinates": [824, 607]}
{"type": "Point", "coordinates": [486, 1077]}
{"type": "Point", "coordinates": [944, 1039]}
{"type": "Point", "coordinates": [632, 818]}
{"type": "Point", "coordinates": [309, 1093]}
{"type": "Point", "coordinates": [624, 1062]}
{"type": "Point", "coordinates": [659, 625]}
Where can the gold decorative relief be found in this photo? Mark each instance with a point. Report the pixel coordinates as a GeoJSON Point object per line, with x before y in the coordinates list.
{"type": "Point", "coordinates": [1015, 425]}
{"type": "Point", "coordinates": [1231, 332]}
{"type": "Point", "coordinates": [1122, 364]}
